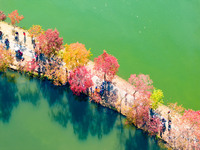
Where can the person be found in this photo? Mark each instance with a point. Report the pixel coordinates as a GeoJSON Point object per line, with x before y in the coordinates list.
{"type": "Point", "coordinates": [108, 87]}
{"type": "Point", "coordinates": [24, 37]}
{"type": "Point", "coordinates": [169, 121]}
{"type": "Point", "coordinates": [91, 91]}
{"type": "Point", "coordinates": [1, 36]}
{"type": "Point", "coordinates": [20, 45]}
{"type": "Point", "coordinates": [162, 127]}
{"type": "Point", "coordinates": [20, 55]}
{"type": "Point", "coordinates": [98, 90]}
{"type": "Point", "coordinates": [33, 42]}
{"type": "Point", "coordinates": [169, 126]}
{"type": "Point", "coordinates": [17, 37]}
{"type": "Point", "coordinates": [163, 124]}
{"type": "Point", "coordinates": [7, 43]}
{"type": "Point", "coordinates": [36, 57]}
{"type": "Point", "coordinates": [151, 112]}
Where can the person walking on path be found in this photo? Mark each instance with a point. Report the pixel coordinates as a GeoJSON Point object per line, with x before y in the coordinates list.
{"type": "Point", "coordinates": [163, 127]}
{"type": "Point", "coordinates": [24, 37]}
{"type": "Point", "coordinates": [1, 36]}
{"type": "Point", "coordinates": [17, 37]}
{"type": "Point", "coordinates": [33, 42]}
{"type": "Point", "coordinates": [7, 43]}
{"type": "Point", "coordinates": [169, 121]}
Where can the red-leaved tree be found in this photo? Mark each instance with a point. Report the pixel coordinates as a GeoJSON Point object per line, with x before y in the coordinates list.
{"type": "Point", "coordinates": [191, 122]}
{"type": "Point", "coordinates": [106, 66]}
{"type": "Point", "coordinates": [139, 113]}
{"type": "Point", "coordinates": [49, 43]}
{"type": "Point", "coordinates": [154, 126]}
{"type": "Point", "coordinates": [80, 79]}
{"type": "Point", "coordinates": [141, 84]}
{"type": "Point", "coordinates": [2, 16]}
{"type": "Point", "coordinates": [14, 17]}
{"type": "Point", "coordinates": [30, 66]}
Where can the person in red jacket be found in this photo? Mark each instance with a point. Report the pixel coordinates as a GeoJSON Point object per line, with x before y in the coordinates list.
{"type": "Point", "coordinates": [24, 37]}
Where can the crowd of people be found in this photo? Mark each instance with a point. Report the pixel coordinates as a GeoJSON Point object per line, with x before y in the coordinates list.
{"type": "Point", "coordinates": [5, 41]}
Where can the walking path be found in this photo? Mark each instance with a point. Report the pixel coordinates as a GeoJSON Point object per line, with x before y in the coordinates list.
{"type": "Point", "coordinates": [120, 86]}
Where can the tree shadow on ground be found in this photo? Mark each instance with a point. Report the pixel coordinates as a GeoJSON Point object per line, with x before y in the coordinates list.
{"type": "Point", "coordinates": [8, 98]}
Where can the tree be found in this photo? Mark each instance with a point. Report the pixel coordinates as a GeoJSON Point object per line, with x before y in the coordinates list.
{"type": "Point", "coordinates": [14, 17]}
{"type": "Point", "coordinates": [49, 43]}
{"type": "Point", "coordinates": [156, 98]}
{"type": "Point", "coordinates": [6, 57]}
{"type": "Point", "coordinates": [2, 16]}
{"type": "Point", "coordinates": [106, 66]}
{"type": "Point", "coordinates": [191, 122]}
{"type": "Point", "coordinates": [75, 55]}
{"type": "Point", "coordinates": [154, 126]}
{"type": "Point", "coordinates": [141, 84]}
{"type": "Point", "coordinates": [35, 30]}
{"type": "Point", "coordinates": [80, 79]}
{"type": "Point", "coordinates": [176, 108]}
{"type": "Point", "coordinates": [55, 72]}
{"type": "Point", "coordinates": [30, 66]}
{"type": "Point", "coordinates": [139, 113]}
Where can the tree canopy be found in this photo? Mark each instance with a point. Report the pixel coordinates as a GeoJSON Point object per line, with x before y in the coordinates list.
{"type": "Point", "coordinates": [35, 30]}
{"type": "Point", "coordinates": [75, 55]}
{"type": "Point", "coordinates": [14, 17]}
{"type": "Point", "coordinates": [49, 43]}
{"type": "Point", "coordinates": [106, 66]}
{"type": "Point", "coordinates": [80, 79]}
{"type": "Point", "coordinates": [156, 98]}
{"type": "Point", "coordinates": [141, 84]}
{"type": "Point", "coordinates": [6, 57]}
{"type": "Point", "coordinates": [2, 16]}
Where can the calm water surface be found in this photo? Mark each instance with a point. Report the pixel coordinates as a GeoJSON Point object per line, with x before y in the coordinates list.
{"type": "Point", "coordinates": [159, 37]}
{"type": "Point", "coordinates": [34, 115]}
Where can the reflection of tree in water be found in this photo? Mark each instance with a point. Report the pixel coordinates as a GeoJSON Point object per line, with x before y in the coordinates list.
{"type": "Point", "coordinates": [132, 138]}
{"type": "Point", "coordinates": [88, 119]}
{"type": "Point", "coordinates": [8, 98]}
{"type": "Point", "coordinates": [52, 93]}
{"type": "Point", "coordinates": [85, 117]}
{"type": "Point", "coordinates": [56, 97]}
{"type": "Point", "coordinates": [28, 89]}
{"type": "Point", "coordinates": [103, 120]}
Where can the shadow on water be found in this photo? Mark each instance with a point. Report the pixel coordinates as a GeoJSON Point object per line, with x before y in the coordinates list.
{"type": "Point", "coordinates": [28, 90]}
{"type": "Point", "coordinates": [131, 138]}
{"type": "Point", "coordinates": [8, 97]}
{"type": "Point", "coordinates": [90, 118]}
{"type": "Point", "coordinates": [86, 118]}
{"type": "Point", "coordinates": [56, 98]}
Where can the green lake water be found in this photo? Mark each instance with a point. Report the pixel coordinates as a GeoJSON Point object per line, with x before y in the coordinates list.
{"type": "Point", "coordinates": [35, 115]}
{"type": "Point", "coordinates": [159, 37]}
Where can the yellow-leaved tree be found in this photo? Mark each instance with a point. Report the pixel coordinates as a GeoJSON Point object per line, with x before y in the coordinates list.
{"type": "Point", "coordinates": [75, 55]}
{"type": "Point", "coordinates": [6, 57]}
{"type": "Point", "coordinates": [35, 30]}
{"type": "Point", "coordinates": [156, 98]}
